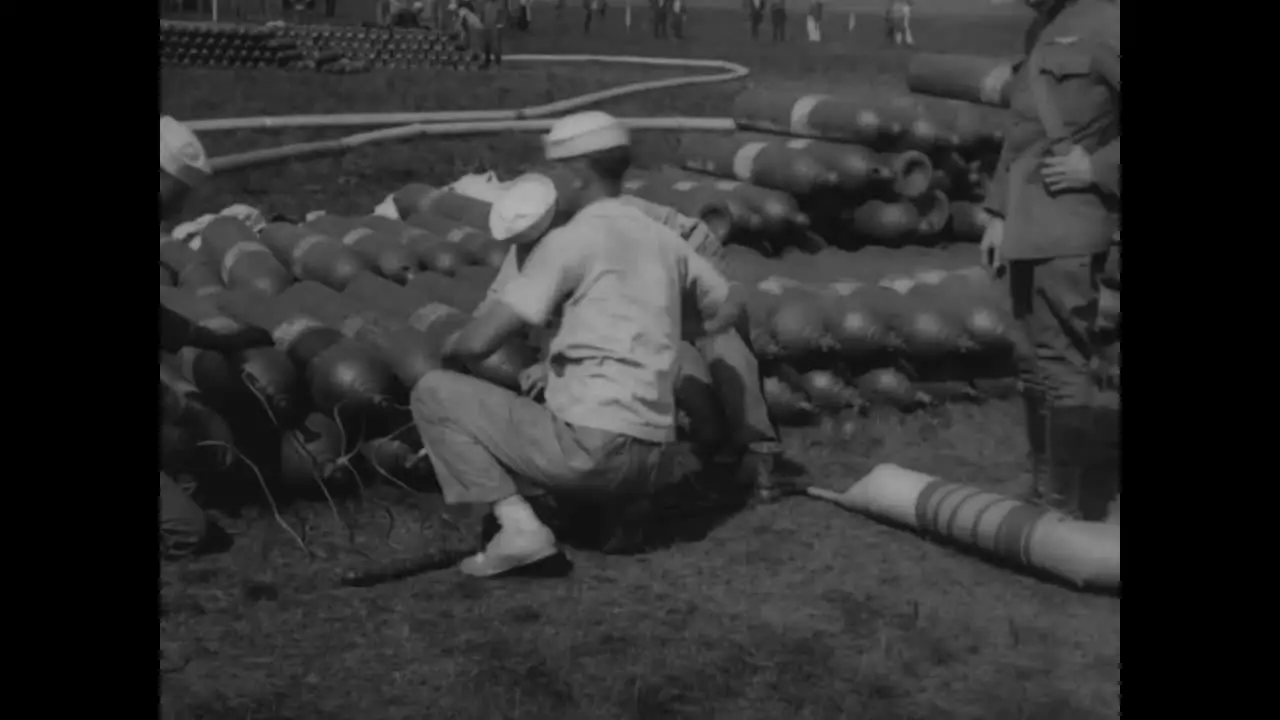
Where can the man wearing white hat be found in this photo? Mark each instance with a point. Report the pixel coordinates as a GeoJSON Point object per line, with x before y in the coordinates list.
{"type": "Point", "coordinates": [183, 165]}
{"type": "Point", "coordinates": [613, 280]}
{"type": "Point", "coordinates": [753, 441]}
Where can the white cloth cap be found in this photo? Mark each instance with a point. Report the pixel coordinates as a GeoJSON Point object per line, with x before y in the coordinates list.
{"type": "Point", "coordinates": [524, 212]}
{"type": "Point", "coordinates": [584, 133]}
{"type": "Point", "coordinates": [181, 154]}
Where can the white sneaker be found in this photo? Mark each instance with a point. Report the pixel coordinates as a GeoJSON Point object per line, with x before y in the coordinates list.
{"type": "Point", "coordinates": [509, 550]}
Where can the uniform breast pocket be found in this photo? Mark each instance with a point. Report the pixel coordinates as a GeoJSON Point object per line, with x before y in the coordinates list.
{"type": "Point", "coordinates": [1080, 97]}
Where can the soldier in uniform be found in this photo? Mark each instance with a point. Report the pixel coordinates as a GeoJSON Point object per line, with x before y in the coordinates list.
{"type": "Point", "coordinates": [1054, 205]}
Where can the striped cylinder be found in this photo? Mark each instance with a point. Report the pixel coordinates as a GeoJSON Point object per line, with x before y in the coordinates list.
{"type": "Point", "coordinates": [767, 162]}
{"type": "Point", "coordinates": [988, 521]}
{"type": "Point", "coordinates": [816, 116]}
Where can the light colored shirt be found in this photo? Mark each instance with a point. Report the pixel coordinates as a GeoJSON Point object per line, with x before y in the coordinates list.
{"type": "Point", "coordinates": [616, 278]}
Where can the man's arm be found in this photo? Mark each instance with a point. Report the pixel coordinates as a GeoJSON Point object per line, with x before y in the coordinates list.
{"type": "Point", "coordinates": [509, 270]}
{"type": "Point", "coordinates": [718, 303]}
{"type": "Point", "coordinates": [551, 273]}
{"type": "Point", "coordinates": [1106, 159]}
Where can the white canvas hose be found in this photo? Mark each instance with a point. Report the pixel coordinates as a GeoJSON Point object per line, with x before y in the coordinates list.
{"type": "Point", "coordinates": [727, 72]}
{"type": "Point", "coordinates": [406, 125]}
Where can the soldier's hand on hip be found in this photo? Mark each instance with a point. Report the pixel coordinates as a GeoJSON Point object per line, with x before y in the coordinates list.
{"type": "Point", "coordinates": [992, 239]}
{"type": "Point", "coordinates": [1073, 171]}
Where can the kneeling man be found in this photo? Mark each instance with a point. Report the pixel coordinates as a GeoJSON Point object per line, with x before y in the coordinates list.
{"type": "Point", "coordinates": [613, 279]}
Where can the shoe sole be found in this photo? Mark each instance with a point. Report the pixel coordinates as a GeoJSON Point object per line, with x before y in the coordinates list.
{"type": "Point", "coordinates": [555, 565]}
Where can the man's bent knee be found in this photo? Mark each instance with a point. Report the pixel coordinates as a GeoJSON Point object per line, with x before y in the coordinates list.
{"type": "Point", "coordinates": [438, 392]}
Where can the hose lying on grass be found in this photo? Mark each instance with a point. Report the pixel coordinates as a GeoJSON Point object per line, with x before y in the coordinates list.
{"type": "Point", "coordinates": [474, 122]}
{"type": "Point", "coordinates": [728, 71]}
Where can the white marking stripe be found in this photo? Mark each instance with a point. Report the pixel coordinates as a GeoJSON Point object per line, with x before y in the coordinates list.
{"type": "Point", "coordinates": [900, 285]}
{"type": "Point", "coordinates": [426, 315]}
{"type": "Point", "coordinates": [289, 330]}
{"type": "Point", "coordinates": [744, 161]}
{"type": "Point", "coordinates": [304, 245]}
{"type": "Point", "coordinates": [233, 256]}
{"type": "Point", "coordinates": [800, 113]}
{"type": "Point", "coordinates": [354, 236]}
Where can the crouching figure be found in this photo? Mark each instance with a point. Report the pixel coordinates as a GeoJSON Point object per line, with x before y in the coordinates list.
{"type": "Point", "coordinates": [612, 280]}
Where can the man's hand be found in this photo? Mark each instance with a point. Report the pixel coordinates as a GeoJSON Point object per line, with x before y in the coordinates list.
{"type": "Point", "coordinates": [1073, 171]}
{"type": "Point", "coordinates": [533, 380]}
{"type": "Point", "coordinates": [992, 240]}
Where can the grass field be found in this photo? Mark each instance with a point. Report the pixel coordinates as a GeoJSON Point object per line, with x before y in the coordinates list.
{"type": "Point", "coordinates": [793, 610]}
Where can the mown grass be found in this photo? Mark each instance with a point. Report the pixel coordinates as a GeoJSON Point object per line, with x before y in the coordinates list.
{"type": "Point", "coordinates": [794, 610]}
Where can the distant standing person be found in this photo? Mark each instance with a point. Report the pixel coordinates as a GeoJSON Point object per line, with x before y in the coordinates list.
{"type": "Point", "coordinates": [658, 16]}
{"type": "Point", "coordinates": [677, 18]}
{"type": "Point", "coordinates": [778, 19]}
{"type": "Point", "coordinates": [755, 13]}
{"type": "Point", "coordinates": [813, 23]}
{"type": "Point", "coordinates": [589, 8]}
{"type": "Point", "coordinates": [898, 23]}
{"type": "Point", "coordinates": [493, 15]}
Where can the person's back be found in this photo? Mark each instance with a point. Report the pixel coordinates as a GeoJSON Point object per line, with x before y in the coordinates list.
{"type": "Point", "coordinates": [613, 360]}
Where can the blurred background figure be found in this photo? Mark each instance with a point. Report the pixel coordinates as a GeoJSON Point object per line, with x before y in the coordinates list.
{"type": "Point", "coordinates": [755, 13]}
{"type": "Point", "coordinates": [853, 21]}
{"type": "Point", "coordinates": [778, 19]}
{"type": "Point", "coordinates": [524, 15]}
{"type": "Point", "coordinates": [658, 17]}
{"type": "Point", "coordinates": [813, 22]}
{"type": "Point", "coordinates": [677, 18]}
{"type": "Point", "coordinates": [493, 18]}
{"type": "Point", "coordinates": [898, 23]}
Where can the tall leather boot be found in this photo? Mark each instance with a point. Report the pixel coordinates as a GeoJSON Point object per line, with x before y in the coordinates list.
{"type": "Point", "coordinates": [1070, 434]}
{"type": "Point", "coordinates": [1036, 425]}
{"type": "Point", "coordinates": [1101, 482]}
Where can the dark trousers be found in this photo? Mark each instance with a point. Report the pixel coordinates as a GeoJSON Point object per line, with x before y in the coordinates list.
{"type": "Point", "coordinates": [659, 22]}
{"type": "Point", "coordinates": [491, 45]}
{"type": "Point", "coordinates": [677, 25]}
{"type": "Point", "coordinates": [1063, 356]}
{"type": "Point", "coordinates": [757, 19]}
{"type": "Point", "coordinates": [778, 17]}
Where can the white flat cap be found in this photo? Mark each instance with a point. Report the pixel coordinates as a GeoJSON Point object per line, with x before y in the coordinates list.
{"type": "Point", "coordinates": [584, 133]}
{"type": "Point", "coordinates": [524, 212]}
{"type": "Point", "coordinates": [181, 154]}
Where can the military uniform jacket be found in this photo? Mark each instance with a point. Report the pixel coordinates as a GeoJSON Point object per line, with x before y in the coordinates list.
{"type": "Point", "coordinates": [1075, 61]}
